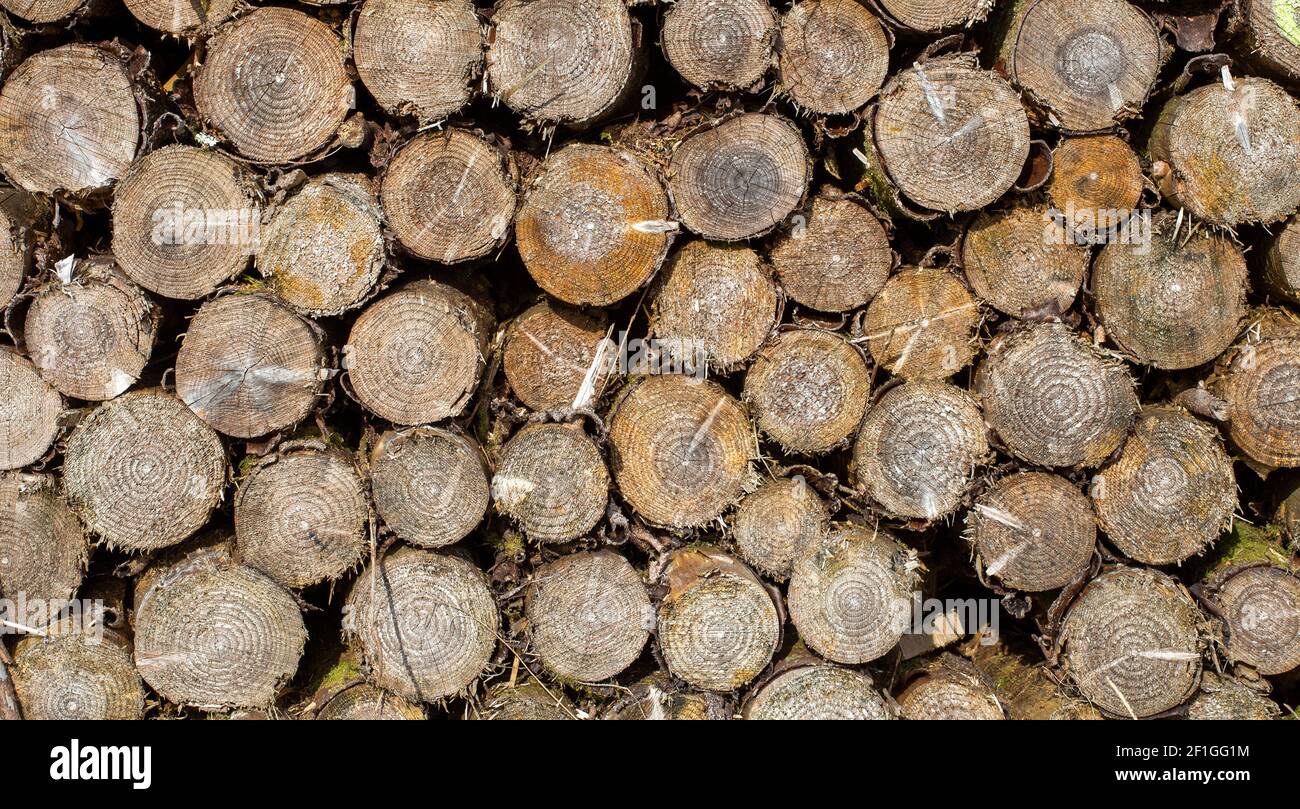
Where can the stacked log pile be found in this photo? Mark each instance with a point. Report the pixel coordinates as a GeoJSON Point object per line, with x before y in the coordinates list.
{"type": "Point", "coordinates": [574, 359]}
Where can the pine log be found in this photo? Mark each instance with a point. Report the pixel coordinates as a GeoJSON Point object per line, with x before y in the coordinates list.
{"type": "Point", "coordinates": [720, 44]}
{"type": "Point", "coordinates": [430, 484]}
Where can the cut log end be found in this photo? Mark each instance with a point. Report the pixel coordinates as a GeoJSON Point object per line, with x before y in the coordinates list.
{"type": "Point", "coordinates": [1258, 379]}
{"type": "Point", "coordinates": [833, 55]}
{"type": "Point", "coordinates": [1023, 260]}
{"type": "Point", "coordinates": [44, 11]}
{"type": "Point", "coordinates": [528, 701]}
{"type": "Point", "coordinates": [951, 688]}
{"type": "Point", "coordinates": [1281, 263]}
{"type": "Point", "coordinates": [720, 45]}
{"type": "Point", "coordinates": [1270, 30]}
{"type": "Point", "coordinates": [922, 325]}
{"type": "Point", "coordinates": [819, 691]}
{"type": "Point", "coordinates": [43, 546]}
{"type": "Point", "coordinates": [430, 485]}
{"type": "Point", "coordinates": [681, 450]}
{"type": "Point", "coordinates": [549, 351]}
{"type": "Point", "coordinates": [75, 675]}
{"type": "Point", "coordinates": [1228, 698]}
{"type": "Point", "coordinates": [1096, 180]}
{"type": "Point", "coordinates": [182, 17]}
{"type": "Point", "coordinates": [1260, 606]}
{"type": "Point", "coordinates": [29, 413]}
{"type": "Point", "coordinates": [364, 702]}
{"type": "Point", "coordinates": [836, 260]}
{"type": "Point", "coordinates": [773, 525]}
{"type": "Point", "coordinates": [933, 16]}
{"type": "Point", "coordinates": [552, 480]}
{"type": "Point", "coordinates": [1034, 531]}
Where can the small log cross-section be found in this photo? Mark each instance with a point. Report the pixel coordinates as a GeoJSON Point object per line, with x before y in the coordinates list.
{"type": "Point", "coordinates": [739, 178]}
{"type": "Point", "coordinates": [323, 250]}
{"type": "Point", "coordinates": [1034, 531]}
{"type": "Point", "coordinates": [1175, 302]}
{"type": "Point", "coordinates": [808, 390]}
{"type": "Point", "coordinates": [185, 220]}
{"type": "Point", "coordinates": [70, 673]}
{"type": "Point", "coordinates": [1096, 185]}
{"type": "Point", "coordinates": [143, 471]}
{"type": "Point", "coordinates": [833, 55]}
{"type": "Point", "coordinates": [1282, 262]}
{"type": "Point", "coordinates": [91, 338]}
{"type": "Point", "coordinates": [933, 16]}
{"type": "Point", "coordinates": [43, 546]}
{"type": "Point", "coordinates": [417, 355]}
{"type": "Point", "coordinates": [275, 85]}
{"type": "Point", "coordinates": [717, 299]}
{"type": "Point", "coordinates": [552, 480]}
{"type": "Point", "coordinates": [448, 197]}
{"type": "Point", "coordinates": [950, 688]}
{"type": "Point", "coordinates": [1258, 379]}
{"type": "Point", "coordinates": [1170, 493]}
{"type": "Point", "coordinates": [69, 121]}
{"type": "Point", "coordinates": [812, 690]}
{"type": "Point", "coordinates": [680, 450]}
{"type": "Point", "coordinates": [718, 625]}
{"type": "Point", "coordinates": [952, 137]}
{"type": "Point", "coordinates": [430, 485]}
{"type": "Point", "coordinates": [565, 61]}
{"type": "Point", "coordinates": [595, 225]}
{"type": "Point", "coordinates": [589, 616]}
{"type": "Point", "coordinates": [426, 623]}
{"type": "Point", "coordinates": [362, 701]}
{"type": "Point", "coordinates": [1012, 264]}
{"type": "Point", "coordinates": [1053, 399]}
{"type": "Point", "coordinates": [549, 350]}
{"type": "Point", "coordinates": [214, 634]}
{"type": "Point", "coordinates": [836, 259]}
{"type": "Point", "coordinates": [922, 324]}
{"type": "Point", "coordinates": [301, 515]}
{"type": "Point", "coordinates": [249, 365]}
{"type": "Point", "coordinates": [1087, 63]}
{"type": "Point", "coordinates": [722, 44]}
{"type": "Point", "coordinates": [776, 522]}
{"type": "Point", "coordinates": [419, 57]}
{"type": "Point", "coordinates": [182, 17]}
{"type": "Point", "coordinates": [1131, 644]}
{"type": "Point", "coordinates": [918, 448]}
{"type": "Point", "coordinates": [1260, 606]}
{"type": "Point", "coordinates": [29, 413]}
{"type": "Point", "coordinates": [1230, 156]}
{"type": "Point", "coordinates": [851, 594]}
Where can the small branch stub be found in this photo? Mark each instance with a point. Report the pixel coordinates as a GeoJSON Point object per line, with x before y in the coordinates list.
{"type": "Point", "coordinates": [552, 480]}
{"type": "Point", "coordinates": [430, 485]}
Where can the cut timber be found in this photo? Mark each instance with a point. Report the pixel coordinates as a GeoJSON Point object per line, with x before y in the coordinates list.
{"type": "Point", "coordinates": [1087, 63]}
{"type": "Point", "coordinates": [931, 16]}
{"type": "Point", "coordinates": [918, 448]}
{"type": "Point", "coordinates": [182, 17]}
{"type": "Point", "coordinates": [448, 197]}
{"type": "Point", "coordinates": [416, 355]}
{"type": "Point", "coordinates": [808, 390]}
{"type": "Point", "coordinates": [301, 514]}
{"type": "Point", "coordinates": [72, 673]}
{"type": "Point", "coordinates": [1272, 34]}
{"type": "Point", "coordinates": [1221, 698]}
{"type": "Point", "coordinates": [527, 701]}
{"type": "Point", "coordinates": [1096, 185]}
{"type": "Point", "coordinates": [851, 593]}
{"type": "Point", "coordinates": [1258, 379]}
{"type": "Point", "coordinates": [552, 480]}
{"type": "Point", "coordinates": [589, 616]}
{"type": "Point", "coordinates": [595, 225]}
{"type": "Point", "coordinates": [1281, 263]}
{"type": "Point", "coordinates": [363, 702]}
{"type": "Point", "coordinates": [323, 250]}
{"type": "Point", "coordinates": [1288, 513]}
{"type": "Point", "coordinates": [550, 349]}
{"type": "Point", "coordinates": [680, 450]}
{"type": "Point", "coordinates": [1053, 399]}
{"type": "Point", "coordinates": [143, 471]}
{"type": "Point", "coordinates": [214, 634]}
{"type": "Point", "coordinates": [1260, 608]}
{"type": "Point", "coordinates": [773, 525]}
{"type": "Point", "coordinates": [419, 57]}
{"type": "Point", "coordinates": [250, 366]}
{"type": "Point", "coordinates": [1023, 260]}
{"type": "Point", "coordinates": [430, 485]}
{"type": "Point", "coordinates": [43, 546]}
{"type": "Point", "coordinates": [91, 337]}
{"type": "Point", "coordinates": [1171, 492]}
{"type": "Point", "coordinates": [922, 325]}
{"type": "Point", "coordinates": [656, 698]}
{"type": "Point", "coordinates": [1033, 531]}
{"type": "Point", "coordinates": [565, 61]}
{"type": "Point", "coordinates": [426, 623]}
{"type": "Point", "coordinates": [833, 55]}
{"type": "Point", "coordinates": [811, 690]}
{"type": "Point", "coordinates": [739, 178]}
{"type": "Point", "coordinates": [720, 44]}
{"type": "Point", "coordinates": [718, 625]}
{"type": "Point", "coordinates": [716, 299]}
{"type": "Point", "coordinates": [274, 84]}
{"type": "Point", "coordinates": [951, 137]}
{"type": "Point", "coordinates": [1130, 642]}
{"type": "Point", "coordinates": [835, 260]}
{"type": "Point", "coordinates": [29, 412]}
{"type": "Point", "coordinates": [1175, 302]}
{"type": "Point", "coordinates": [69, 121]}
{"type": "Point", "coordinates": [1230, 156]}
{"type": "Point", "coordinates": [20, 214]}
{"type": "Point", "coordinates": [184, 221]}
{"type": "Point", "coordinates": [45, 11]}
{"type": "Point", "coordinates": [950, 688]}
